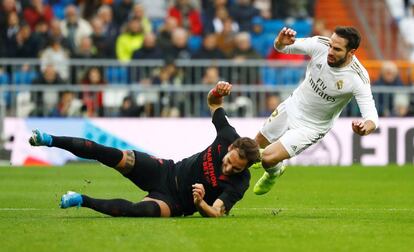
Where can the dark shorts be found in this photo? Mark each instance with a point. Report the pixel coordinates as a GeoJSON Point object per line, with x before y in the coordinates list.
{"type": "Point", "coordinates": [156, 176]}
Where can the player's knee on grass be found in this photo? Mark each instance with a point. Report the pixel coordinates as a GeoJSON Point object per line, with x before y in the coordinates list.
{"type": "Point", "coordinates": [127, 162]}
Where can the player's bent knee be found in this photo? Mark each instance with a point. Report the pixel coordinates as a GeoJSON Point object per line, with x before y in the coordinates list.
{"type": "Point", "coordinates": [165, 210]}
{"type": "Point", "coordinates": [127, 163]}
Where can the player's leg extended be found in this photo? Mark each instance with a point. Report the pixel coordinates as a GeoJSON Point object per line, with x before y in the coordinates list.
{"type": "Point", "coordinates": [118, 207]}
{"type": "Point", "coordinates": [80, 147]}
{"type": "Point", "coordinates": [272, 162]}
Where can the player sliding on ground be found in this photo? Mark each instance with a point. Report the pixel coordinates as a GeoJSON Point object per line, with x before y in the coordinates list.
{"type": "Point", "coordinates": [211, 181]}
{"type": "Point", "coordinates": [333, 76]}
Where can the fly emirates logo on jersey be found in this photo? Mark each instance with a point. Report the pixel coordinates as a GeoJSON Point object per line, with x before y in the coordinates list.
{"type": "Point", "coordinates": [320, 89]}
{"type": "Point", "coordinates": [208, 168]}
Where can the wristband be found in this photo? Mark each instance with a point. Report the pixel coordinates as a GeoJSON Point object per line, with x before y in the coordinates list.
{"type": "Point", "coordinates": [215, 93]}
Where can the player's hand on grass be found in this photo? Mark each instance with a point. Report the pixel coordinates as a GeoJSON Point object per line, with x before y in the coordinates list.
{"type": "Point", "coordinates": [359, 127]}
{"type": "Point", "coordinates": [223, 88]}
{"type": "Point", "coordinates": [198, 193]}
{"type": "Point", "coordinates": [286, 37]}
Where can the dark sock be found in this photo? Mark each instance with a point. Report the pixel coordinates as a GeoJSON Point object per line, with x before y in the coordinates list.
{"type": "Point", "coordinates": [84, 148]}
{"type": "Point", "coordinates": [122, 208]}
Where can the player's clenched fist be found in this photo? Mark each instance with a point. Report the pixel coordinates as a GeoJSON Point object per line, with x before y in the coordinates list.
{"type": "Point", "coordinates": [198, 193]}
{"type": "Point", "coordinates": [223, 88]}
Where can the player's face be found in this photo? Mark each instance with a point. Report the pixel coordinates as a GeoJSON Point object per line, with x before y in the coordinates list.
{"type": "Point", "coordinates": [338, 55]}
{"type": "Point", "coordinates": [232, 163]}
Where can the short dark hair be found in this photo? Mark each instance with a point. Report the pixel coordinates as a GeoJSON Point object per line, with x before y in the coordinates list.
{"type": "Point", "coordinates": [349, 33]}
{"type": "Point", "coordinates": [248, 149]}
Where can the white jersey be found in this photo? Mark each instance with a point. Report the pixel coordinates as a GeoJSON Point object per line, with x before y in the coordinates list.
{"type": "Point", "coordinates": [325, 91]}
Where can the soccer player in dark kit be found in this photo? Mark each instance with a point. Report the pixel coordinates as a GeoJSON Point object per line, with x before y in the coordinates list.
{"type": "Point", "coordinates": [210, 182]}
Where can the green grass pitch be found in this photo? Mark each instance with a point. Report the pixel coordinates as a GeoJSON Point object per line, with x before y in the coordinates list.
{"type": "Point", "coordinates": [310, 209]}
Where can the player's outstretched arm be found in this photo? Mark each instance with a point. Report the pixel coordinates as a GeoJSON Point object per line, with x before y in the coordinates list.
{"type": "Point", "coordinates": [363, 128]}
{"type": "Point", "coordinates": [285, 37]}
{"type": "Point", "coordinates": [216, 210]}
{"type": "Point", "coordinates": [215, 96]}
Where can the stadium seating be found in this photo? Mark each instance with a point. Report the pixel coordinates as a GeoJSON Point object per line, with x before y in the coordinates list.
{"type": "Point", "coordinates": [303, 27]}
{"type": "Point", "coordinates": [23, 77]}
{"type": "Point", "coordinates": [156, 24]}
{"type": "Point", "coordinates": [5, 80]}
{"type": "Point", "coordinates": [282, 75]}
{"type": "Point", "coordinates": [116, 75]}
{"type": "Point", "coordinates": [194, 43]}
{"type": "Point", "coordinates": [273, 26]}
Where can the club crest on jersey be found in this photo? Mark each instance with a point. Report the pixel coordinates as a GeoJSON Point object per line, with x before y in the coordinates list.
{"type": "Point", "coordinates": [340, 84]}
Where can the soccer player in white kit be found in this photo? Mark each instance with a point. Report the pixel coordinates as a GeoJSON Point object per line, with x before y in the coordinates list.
{"type": "Point", "coordinates": [333, 76]}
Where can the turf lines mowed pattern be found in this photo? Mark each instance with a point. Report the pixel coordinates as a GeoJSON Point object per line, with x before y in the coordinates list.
{"type": "Point", "coordinates": [310, 209]}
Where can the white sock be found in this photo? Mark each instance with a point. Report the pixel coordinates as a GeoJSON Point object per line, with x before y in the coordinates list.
{"type": "Point", "coordinates": [274, 169]}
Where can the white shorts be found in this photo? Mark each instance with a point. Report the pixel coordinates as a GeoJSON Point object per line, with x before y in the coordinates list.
{"type": "Point", "coordinates": [294, 138]}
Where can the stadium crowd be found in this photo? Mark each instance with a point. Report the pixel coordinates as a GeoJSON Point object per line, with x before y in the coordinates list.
{"type": "Point", "coordinates": [59, 31]}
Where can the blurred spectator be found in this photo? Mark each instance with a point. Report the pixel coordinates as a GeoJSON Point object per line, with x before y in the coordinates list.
{"type": "Point", "coordinates": [272, 101]}
{"type": "Point", "coordinates": [138, 13]}
{"type": "Point", "coordinates": [121, 11]}
{"type": "Point", "coordinates": [187, 16]}
{"type": "Point", "coordinates": [47, 99]}
{"type": "Point", "coordinates": [149, 50]}
{"type": "Point", "coordinates": [244, 51]}
{"type": "Point", "coordinates": [129, 108]}
{"type": "Point", "coordinates": [282, 9]}
{"type": "Point", "coordinates": [389, 77]}
{"type": "Point", "coordinates": [93, 100]}
{"type": "Point", "coordinates": [401, 105]}
{"type": "Point", "coordinates": [86, 49]}
{"type": "Point", "coordinates": [171, 102]}
{"type": "Point", "coordinates": [217, 22]}
{"type": "Point", "coordinates": [179, 48]}
{"type": "Point", "coordinates": [165, 33]}
{"type": "Point", "coordinates": [130, 40]}
{"type": "Point", "coordinates": [243, 13]}
{"type": "Point", "coordinates": [67, 106]}
{"type": "Point", "coordinates": [8, 37]}
{"type": "Point", "coordinates": [406, 25]}
{"type": "Point", "coordinates": [210, 10]}
{"type": "Point", "coordinates": [264, 7]}
{"type": "Point", "coordinates": [319, 28]}
{"type": "Point", "coordinates": [209, 49]}
{"type": "Point", "coordinates": [155, 9]}
{"type": "Point", "coordinates": [226, 38]}
{"type": "Point", "coordinates": [88, 8]}
{"type": "Point", "coordinates": [57, 56]}
{"type": "Point", "coordinates": [103, 45]}
{"type": "Point", "coordinates": [74, 27]}
{"type": "Point", "coordinates": [6, 7]}
{"type": "Point", "coordinates": [110, 28]}
{"type": "Point", "coordinates": [210, 78]}
{"type": "Point", "coordinates": [168, 75]}
{"type": "Point", "coordinates": [243, 48]}
{"type": "Point", "coordinates": [41, 35]}
{"type": "Point", "coordinates": [55, 33]}
{"type": "Point", "coordinates": [23, 44]}
{"type": "Point", "coordinates": [37, 12]}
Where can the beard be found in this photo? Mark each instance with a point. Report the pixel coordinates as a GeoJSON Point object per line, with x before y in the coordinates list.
{"type": "Point", "coordinates": [338, 62]}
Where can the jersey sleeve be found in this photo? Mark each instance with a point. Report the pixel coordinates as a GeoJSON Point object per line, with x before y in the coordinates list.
{"type": "Point", "coordinates": [309, 46]}
{"type": "Point", "coordinates": [234, 192]}
{"type": "Point", "coordinates": [219, 119]}
{"type": "Point", "coordinates": [365, 101]}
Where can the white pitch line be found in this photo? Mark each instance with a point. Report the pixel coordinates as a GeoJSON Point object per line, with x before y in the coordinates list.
{"type": "Point", "coordinates": [258, 209]}
{"type": "Point", "coordinates": [323, 209]}
{"type": "Point", "coordinates": [25, 209]}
